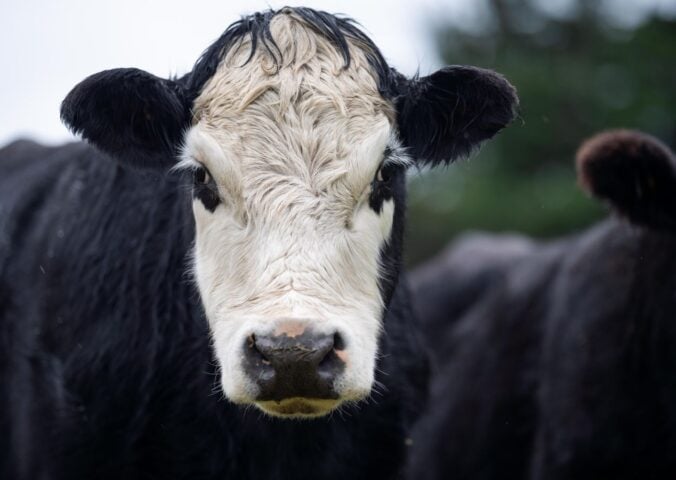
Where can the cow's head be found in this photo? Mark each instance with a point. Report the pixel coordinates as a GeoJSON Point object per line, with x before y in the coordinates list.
{"type": "Point", "coordinates": [298, 136]}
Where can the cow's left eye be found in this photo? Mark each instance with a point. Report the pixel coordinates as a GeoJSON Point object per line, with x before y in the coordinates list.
{"type": "Point", "coordinates": [384, 174]}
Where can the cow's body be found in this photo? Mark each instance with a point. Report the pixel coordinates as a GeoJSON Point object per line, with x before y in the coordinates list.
{"type": "Point", "coordinates": [109, 373]}
{"type": "Point", "coordinates": [481, 417]}
{"type": "Point", "coordinates": [607, 396]}
{"type": "Point", "coordinates": [456, 279]}
{"type": "Point", "coordinates": [563, 365]}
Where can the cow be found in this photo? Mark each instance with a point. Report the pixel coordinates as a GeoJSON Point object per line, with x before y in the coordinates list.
{"type": "Point", "coordinates": [562, 365]}
{"type": "Point", "coordinates": [444, 287]}
{"type": "Point", "coordinates": [209, 286]}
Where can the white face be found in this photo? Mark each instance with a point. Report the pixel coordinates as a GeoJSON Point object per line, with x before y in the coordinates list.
{"type": "Point", "coordinates": [287, 248]}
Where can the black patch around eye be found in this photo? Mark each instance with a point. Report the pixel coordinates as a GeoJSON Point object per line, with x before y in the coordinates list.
{"type": "Point", "coordinates": [205, 189]}
{"type": "Point", "coordinates": [382, 187]}
{"type": "Point", "coordinates": [199, 175]}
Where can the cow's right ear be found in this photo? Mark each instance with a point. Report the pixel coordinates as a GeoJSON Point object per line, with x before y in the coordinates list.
{"type": "Point", "coordinates": [635, 173]}
{"type": "Point", "coordinates": [130, 114]}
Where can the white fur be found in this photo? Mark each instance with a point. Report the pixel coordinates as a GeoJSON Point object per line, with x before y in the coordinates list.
{"type": "Point", "coordinates": [294, 152]}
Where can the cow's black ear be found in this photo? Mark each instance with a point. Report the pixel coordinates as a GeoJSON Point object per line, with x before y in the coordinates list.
{"type": "Point", "coordinates": [445, 115]}
{"type": "Point", "coordinates": [635, 173]}
{"type": "Point", "coordinates": [130, 114]}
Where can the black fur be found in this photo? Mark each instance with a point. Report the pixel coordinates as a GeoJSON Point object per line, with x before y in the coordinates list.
{"type": "Point", "coordinates": [607, 395]}
{"type": "Point", "coordinates": [130, 114]}
{"type": "Point", "coordinates": [635, 173]}
{"type": "Point", "coordinates": [562, 366]}
{"type": "Point", "coordinates": [446, 286]}
{"type": "Point", "coordinates": [391, 254]}
{"type": "Point", "coordinates": [447, 114]}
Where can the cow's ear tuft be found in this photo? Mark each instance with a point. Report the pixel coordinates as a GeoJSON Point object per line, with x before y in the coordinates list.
{"type": "Point", "coordinates": [635, 173]}
{"type": "Point", "coordinates": [130, 114]}
{"type": "Point", "coordinates": [449, 113]}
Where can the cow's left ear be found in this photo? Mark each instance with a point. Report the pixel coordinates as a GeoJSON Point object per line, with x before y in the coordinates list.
{"type": "Point", "coordinates": [134, 116]}
{"type": "Point", "coordinates": [445, 115]}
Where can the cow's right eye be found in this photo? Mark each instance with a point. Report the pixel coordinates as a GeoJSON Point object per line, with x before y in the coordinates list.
{"type": "Point", "coordinates": [202, 176]}
{"type": "Point", "coordinates": [205, 188]}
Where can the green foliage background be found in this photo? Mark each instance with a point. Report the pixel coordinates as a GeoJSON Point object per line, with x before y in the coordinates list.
{"type": "Point", "coordinates": [576, 74]}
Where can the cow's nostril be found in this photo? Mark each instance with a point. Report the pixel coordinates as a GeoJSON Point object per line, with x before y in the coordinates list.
{"type": "Point", "coordinates": [332, 362]}
{"type": "Point", "coordinates": [251, 346]}
{"type": "Point", "coordinates": [338, 343]}
{"type": "Point", "coordinates": [255, 351]}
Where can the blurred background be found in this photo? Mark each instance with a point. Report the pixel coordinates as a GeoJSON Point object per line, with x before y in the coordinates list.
{"type": "Point", "coordinates": [579, 66]}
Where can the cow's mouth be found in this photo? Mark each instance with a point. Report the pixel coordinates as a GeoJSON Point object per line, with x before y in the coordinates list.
{"type": "Point", "coordinates": [298, 407]}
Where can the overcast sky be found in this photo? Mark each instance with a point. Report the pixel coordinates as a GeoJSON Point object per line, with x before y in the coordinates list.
{"type": "Point", "coordinates": [48, 46]}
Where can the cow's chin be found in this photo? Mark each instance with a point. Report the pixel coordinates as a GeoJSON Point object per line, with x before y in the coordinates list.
{"type": "Point", "coordinates": [298, 407]}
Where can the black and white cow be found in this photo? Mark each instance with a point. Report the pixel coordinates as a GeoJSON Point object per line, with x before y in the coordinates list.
{"type": "Point", "coordinates": [564, 365]}
{"type": "Point", "coordinates": [234, 234]}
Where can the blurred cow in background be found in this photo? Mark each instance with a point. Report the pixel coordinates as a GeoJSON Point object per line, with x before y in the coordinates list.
{"type": "Point", "coordinates": [447, 285]}
{"type": "Point", "coordinates": [562, 365]}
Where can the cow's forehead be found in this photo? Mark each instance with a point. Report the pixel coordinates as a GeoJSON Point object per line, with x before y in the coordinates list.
{"type": "Point", "coordinates": [309, 117]}
{"type": "Point", "coordinates": [303, 75]}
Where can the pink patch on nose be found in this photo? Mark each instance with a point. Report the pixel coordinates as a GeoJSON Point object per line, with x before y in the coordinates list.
{"type": "Point", "coordinates": [342, 355]}
{"type": "Point", "coordinates": [291, 328]}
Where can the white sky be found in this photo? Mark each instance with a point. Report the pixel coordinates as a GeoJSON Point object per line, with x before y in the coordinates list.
{"type": "Point", "coordinates": [48, 46]}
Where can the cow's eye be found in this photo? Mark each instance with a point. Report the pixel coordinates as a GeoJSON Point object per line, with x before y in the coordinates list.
{"type": "Point", "coordinates": [201, 176]}
{"type": "Point", "coordinates": [205, 188]}
{"type": "Point", "coordinates": [384, 173]}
